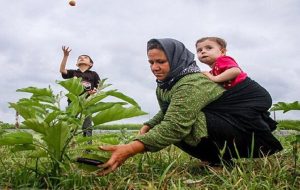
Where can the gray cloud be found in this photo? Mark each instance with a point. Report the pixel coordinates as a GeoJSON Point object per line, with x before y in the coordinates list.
{"type": "Point", "coordinates": [261, 36]}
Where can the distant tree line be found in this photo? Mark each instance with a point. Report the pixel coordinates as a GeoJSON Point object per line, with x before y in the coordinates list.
{"type": "Point", "coordinates": [6, 125]}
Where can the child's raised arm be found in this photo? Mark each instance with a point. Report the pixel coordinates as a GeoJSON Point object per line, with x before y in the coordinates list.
{"type": "Point", "coordinates": [66, 51]}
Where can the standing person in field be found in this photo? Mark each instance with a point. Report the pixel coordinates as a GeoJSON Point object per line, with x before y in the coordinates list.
{"type": "Point", "coordinates": [198, 115]}
{"type": "Point", "coordinates": [90, 80]}
{"type": "Point", "coordinates": [225, 71]}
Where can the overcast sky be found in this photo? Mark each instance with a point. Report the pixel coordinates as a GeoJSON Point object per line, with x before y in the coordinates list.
{"type": "Point", "coordinates": [262, 35]}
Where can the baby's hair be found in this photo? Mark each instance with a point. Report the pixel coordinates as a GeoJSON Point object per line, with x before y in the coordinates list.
{"type": "Point", "coordinates": [154, 44]}
{"type": "Point", "coordinates": [222, 43]}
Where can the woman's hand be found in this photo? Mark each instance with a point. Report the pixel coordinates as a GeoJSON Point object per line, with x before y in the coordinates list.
{"type": "Point", "coordinates": [120, 153]}
{"type": "Point", "coordinates": [144, 129]}
{"type": "Point", "coordinates": [66, 50]}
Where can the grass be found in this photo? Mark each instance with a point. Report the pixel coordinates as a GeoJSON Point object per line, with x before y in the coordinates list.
{"type": "Point", "coordinates": [168, 169]}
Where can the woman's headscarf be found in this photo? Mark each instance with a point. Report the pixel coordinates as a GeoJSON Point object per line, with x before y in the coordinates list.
{"type": "Point", "coordinates": [181, 61]}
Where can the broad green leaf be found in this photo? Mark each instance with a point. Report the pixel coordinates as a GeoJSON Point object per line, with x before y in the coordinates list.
{"type": "Point", "coordinates": [40, 110]}
{"type": "Point", "coordinates": [25, 111]}
{"type": "Point", "coordinates": [73, 85]}
{"type": "Point", "coordinates": [116, 112]}
{"type": "Point", "coordinates": [51, 107]}
{"type": "Point", "coordinates": [285, 107]}
{"type": "Point", "coordinates": [16, 138]}
{"type": "Point", "coordinates": [37, 91]}
{"type": "Point", "coordinates": [102, 106]}
{"type": "Point", "coordinates": [28, 108]}
{"type": "Point", "coordinates": [93, 99]}
{"type": "Point", "coordinates": [56, 137]}
{"type": "Point", "coordinates": [123, 97]}
{"type": "Point", "coordinates": [52, 116]}
{"type": "Point", "coordinates": [74, 108]}
{"type": "Point", "coordinates": [289, 125]}
{"type": "Point", "coordinates": [49, 99]}
{"type": "Point", "coordinates": [36, 105]}
{"type": "Point", "coordinates": [72, 97]}
{"type": "Point", "coordinates": [30, 102]}
{"type": "Point", "coordinates": [70, 121]}
{"type": "Point", "coordinates": [36, 126]}
{"type": "Point", "coordinates": [23, 147]}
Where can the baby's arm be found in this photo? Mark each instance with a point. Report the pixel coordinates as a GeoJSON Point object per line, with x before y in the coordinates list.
{"type": "Point", "coordinates": [227, 75]}
{"type": "Point", "coordinates": [66, 51]}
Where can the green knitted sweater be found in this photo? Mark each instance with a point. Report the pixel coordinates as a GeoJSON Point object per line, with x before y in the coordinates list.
{"type": "Point", "coordinates": [180, 116]}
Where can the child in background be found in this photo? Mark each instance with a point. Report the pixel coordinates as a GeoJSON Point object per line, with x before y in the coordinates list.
{"type": "Point", "coordinates": [90, 80]}
{"type": "Point", "coordinates": [212, 52]}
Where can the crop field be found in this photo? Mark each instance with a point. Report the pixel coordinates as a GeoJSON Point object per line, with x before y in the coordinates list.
{"type": "Point", "coordinates": [168, 169]}
{"type": "Point", "coordinates": [42, 152]}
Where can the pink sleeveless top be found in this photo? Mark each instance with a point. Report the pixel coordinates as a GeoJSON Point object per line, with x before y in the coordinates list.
{"type": "Point", "coordinates": [222, 64]}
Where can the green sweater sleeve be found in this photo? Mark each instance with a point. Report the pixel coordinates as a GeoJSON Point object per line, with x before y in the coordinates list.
{"type": "Point", "coordinates": [155, 120]}
{"type": "Point", "coordinates": [185, 101]}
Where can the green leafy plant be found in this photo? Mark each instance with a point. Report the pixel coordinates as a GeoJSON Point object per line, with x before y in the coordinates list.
{"type": "Point", "coordinates": [290, 125]}
{"type": "Point", "coordinates": [55, 128]}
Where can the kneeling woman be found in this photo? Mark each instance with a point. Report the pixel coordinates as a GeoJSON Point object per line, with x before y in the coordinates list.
{"type": "Point", "coordinates": [198, 115]}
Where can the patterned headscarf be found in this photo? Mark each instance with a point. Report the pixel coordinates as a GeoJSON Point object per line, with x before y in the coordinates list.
{"type": "Point", "coordinates": [181, 61]}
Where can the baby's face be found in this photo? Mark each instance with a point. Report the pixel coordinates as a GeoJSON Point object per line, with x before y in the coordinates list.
{"type": "Point", "coordinates": [208, 51]}
{"type": "Point", "coordinates": [84, 60]}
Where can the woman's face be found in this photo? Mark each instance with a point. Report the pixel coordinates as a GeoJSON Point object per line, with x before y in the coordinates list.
{"type": "Point", "coordinates": [159, 64]}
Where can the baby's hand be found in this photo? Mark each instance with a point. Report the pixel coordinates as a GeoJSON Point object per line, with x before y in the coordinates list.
{"type": "Point", "coordinates": [206, 73]}
{"type": "Point", "coordinates": [66, 50]}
